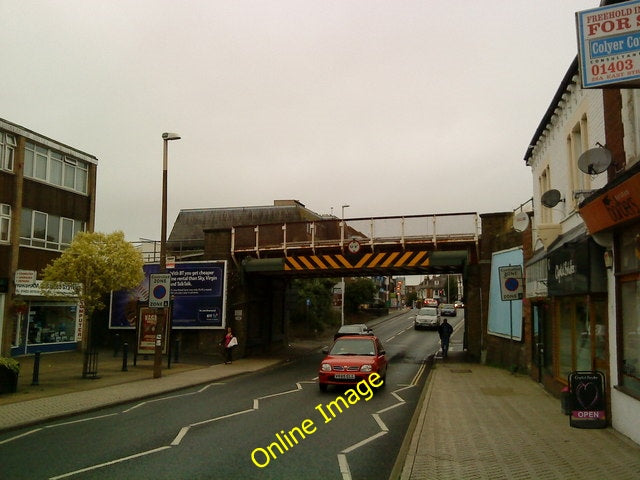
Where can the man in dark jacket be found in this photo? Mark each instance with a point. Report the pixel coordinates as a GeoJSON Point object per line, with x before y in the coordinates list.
{"type": "Point", "coordinates": [445, 330]}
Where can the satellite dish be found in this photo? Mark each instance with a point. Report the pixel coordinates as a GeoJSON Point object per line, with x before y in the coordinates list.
{"type": "Point", "coordinates": [551, 198]}
{"type": "Point", "coordinates": [595, 160]}
{"type": "Point", "coordinates": [520, 221]}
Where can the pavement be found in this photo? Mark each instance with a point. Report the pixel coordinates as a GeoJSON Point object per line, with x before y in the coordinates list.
{"type": "Point", "coordinates": [473, 421]}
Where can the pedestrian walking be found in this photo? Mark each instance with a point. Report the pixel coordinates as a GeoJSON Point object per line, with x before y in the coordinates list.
{"type": "Point", "coordinates": [229, 342]}
{"type": "Point", "coordinates": [445, 330]}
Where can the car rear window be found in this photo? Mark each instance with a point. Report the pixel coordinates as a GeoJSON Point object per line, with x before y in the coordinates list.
{"type": "Point", "coordinates": [353, 346]}
{"type": "Point", "coordinates": [428, 311]}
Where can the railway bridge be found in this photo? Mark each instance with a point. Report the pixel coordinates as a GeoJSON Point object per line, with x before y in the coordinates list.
{"type": "Point", "coordinates": [264, 257]}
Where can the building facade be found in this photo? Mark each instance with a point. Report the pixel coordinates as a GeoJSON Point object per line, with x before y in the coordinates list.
{"type": "Point", "coordinates": [47, 195]}
{"type": "Point", "coordinates": [582, 265]}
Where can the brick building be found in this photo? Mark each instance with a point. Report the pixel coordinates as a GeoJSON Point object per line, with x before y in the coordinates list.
{"type": "Point", "coordinates": [47, 195]}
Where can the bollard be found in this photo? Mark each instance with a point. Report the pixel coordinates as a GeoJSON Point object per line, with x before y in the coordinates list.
{"type": "Point", "coordinates": [125, 354]}
{"type": "Point", "coordinates": [36, 370]}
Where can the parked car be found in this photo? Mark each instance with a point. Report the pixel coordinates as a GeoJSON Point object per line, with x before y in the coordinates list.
{"type": "Point", "coordinates": [351, 359]}
{"type": "Point", "coordinates": [354, 329]}
{"type": "Point", "coordinates": [447, 309]}
{"type": "Point", "coordinates": [458, 304]}
{"type": "Point", "coordinates": [427, 317]}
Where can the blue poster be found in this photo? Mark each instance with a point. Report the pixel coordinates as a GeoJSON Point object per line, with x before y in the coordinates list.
{"type": "Point", "coordinates": [198, 297]}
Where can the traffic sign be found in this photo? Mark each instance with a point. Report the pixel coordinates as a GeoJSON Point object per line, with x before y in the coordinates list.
{"type": "Point", "coordinates": [511, 282]}
{"type": "Point", "coordinates": [159, 290]}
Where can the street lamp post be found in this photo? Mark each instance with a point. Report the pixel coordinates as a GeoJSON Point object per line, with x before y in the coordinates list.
{"type": "Point", "coordinates": [157, 359]}
{"type": "Point", "coordinates": [342, 285]}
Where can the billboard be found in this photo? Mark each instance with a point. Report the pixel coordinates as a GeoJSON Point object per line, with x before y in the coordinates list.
{"type": "Point", "coordinates": [505, 317]}
{"type": "Point", "coordinates": [198, 297]}
{"type": "Point", "coordinates": [609, 44]}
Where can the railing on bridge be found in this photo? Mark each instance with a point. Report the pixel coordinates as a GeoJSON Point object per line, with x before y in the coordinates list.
{"type": "Point", "coordinates": [435, 229]}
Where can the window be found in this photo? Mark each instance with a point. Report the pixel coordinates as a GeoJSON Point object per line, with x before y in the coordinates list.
{"type": "Point", "coordinates": [52, 232]}
{"type": "Point", "coordinates": [544, 184]}
{"type": "Point", "coordinates": [577, 144]}
{"type": "Point", "coordinates": [54, 168]}
{"type": "Point", "coordinates": [574, 336]}
{"type": "Point", "coordinates": [7, 151]}
{"type": "Point", "coordinates": [5, 222]}
{"type": "Point", "coordinates": [629, 367]}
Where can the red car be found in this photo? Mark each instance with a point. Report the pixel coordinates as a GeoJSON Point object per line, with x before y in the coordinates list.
{"type": "Point", "coordinates": [352, 359]}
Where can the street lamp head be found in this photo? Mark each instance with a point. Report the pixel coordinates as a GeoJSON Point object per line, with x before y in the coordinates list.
{"type": "Point", "coordinates": [170, 136]}
{"type": "Point", "coordinates": [346, 206]}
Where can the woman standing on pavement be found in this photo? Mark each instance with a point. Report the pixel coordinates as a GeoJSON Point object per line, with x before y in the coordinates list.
{"type": "Point", "coordinates": [229, 342]}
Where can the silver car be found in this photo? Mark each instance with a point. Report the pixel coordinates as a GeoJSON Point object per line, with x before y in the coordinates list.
{"type": "Point", "coordinates": [427, 317]}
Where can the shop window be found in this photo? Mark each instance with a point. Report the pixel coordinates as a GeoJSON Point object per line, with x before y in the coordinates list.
{"type": "Point", "coordinates": [565, 337]}
{"type": "Point", "coordinates": [51, 323]}
{"type": "Point", "coordinates": [629, 357]}
{"type": "Point", "coordinates": [574, 336]}
{"type": "Point", "coordinates": [630, 294]}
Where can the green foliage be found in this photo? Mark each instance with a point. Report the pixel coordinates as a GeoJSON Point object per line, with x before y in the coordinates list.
{"type": "Point", "coordinates": [10, 363]}
{"type": "Point", "coordinates": [357, 292]}
{"type": "Point", "coordinates": [410, 298]}
{"type": "Point", "coordinates": [318, 292]}
{"type": "Point", "coordinates": [97, 263]}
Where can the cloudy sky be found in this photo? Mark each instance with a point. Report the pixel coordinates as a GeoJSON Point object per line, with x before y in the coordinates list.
{"type": "Point", "coordinates": [394, 107]}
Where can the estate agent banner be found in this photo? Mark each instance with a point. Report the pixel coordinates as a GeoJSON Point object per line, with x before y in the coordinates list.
{"type": "Point", "coordinates": [608, 45]}
{"type": "Point", "coordinates": [198, 297]}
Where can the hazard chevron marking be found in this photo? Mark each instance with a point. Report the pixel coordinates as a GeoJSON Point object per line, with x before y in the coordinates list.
{"type": "Point", "coordinates": [368, 260]}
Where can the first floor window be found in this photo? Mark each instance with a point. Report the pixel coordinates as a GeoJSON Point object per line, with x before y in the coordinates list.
{"type": "Point", "coordinates": [39, 229]}
{"type": "Point", "coordinates": [7, 151]}
{"type": "Point", "coordinates": [5, 222]}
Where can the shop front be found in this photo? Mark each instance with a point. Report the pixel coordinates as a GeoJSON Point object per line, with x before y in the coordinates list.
{"type": "Point", "coordinates": [45, 323]}
{"type": "Point", "coordinates": [577, 285]}
{"type": "Point", "coordinates": [612, 215]}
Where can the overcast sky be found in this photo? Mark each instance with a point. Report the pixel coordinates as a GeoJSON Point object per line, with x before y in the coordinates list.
{"type": "Point", "coordinates": [394, 107]}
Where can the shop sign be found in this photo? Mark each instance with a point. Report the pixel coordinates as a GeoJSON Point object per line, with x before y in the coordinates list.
{"type": "Point", "coordinates": [576, 269]}
{"type": "Point", "coordinates": [617, 205]}
{"type": "Point", "coordinates": [25, 277]}
{"type": "Point", "coordinates": [34, 289]}
{"type": "Point", "coordinates": [588, 401]}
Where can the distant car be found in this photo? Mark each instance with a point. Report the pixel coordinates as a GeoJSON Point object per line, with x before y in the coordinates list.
{"type": "Point", "coordinates": [458, 304]}
{"type": "Point", "coordinates": [447, 309]}
{"type": "Point", "coordinates": [427, 317]}
{"type": "Point", "coordinates": [352, 358]}
{"type": "Point", "coordinates": [354, 329]}
{"type": "Point", "coordinates": [430, 302]}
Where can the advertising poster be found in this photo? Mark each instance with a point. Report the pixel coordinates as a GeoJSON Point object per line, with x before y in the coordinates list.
{"type": "Point", "coordinates": [149, 318]}
{"type": "Point", "coordinates": [198, 297]}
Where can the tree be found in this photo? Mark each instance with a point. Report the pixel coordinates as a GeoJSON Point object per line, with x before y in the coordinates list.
{"type": "Point", "coordinates": [313, 299]}
{"type": "Point", "coordinates": [94, 265]}
{"type": "Point", "coordinates": [358, 292]}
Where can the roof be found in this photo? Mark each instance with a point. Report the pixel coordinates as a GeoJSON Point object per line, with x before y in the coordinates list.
{"type": "Point", "coordinates": [557, 98]}
{"type": "Point", "coordinates": [189, 227]}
